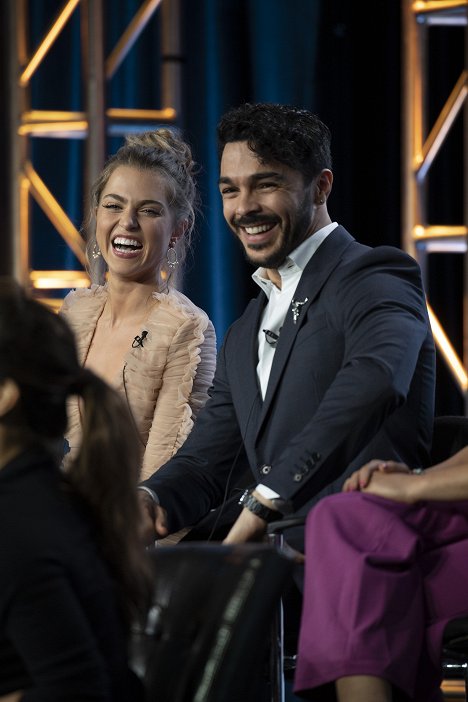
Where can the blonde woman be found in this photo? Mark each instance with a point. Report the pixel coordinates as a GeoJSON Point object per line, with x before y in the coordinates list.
{"type": "Point", "coordinates": [133, 328]}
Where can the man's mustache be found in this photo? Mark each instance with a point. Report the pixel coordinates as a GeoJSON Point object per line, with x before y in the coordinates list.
{"type": "Point", "coordinates": [253, 220]}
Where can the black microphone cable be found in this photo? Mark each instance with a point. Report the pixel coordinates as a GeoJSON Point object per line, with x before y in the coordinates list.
{"type": "Point", "coordinates": [231, 470]}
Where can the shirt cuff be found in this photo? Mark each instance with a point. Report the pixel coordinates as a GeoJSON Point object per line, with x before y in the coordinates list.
{"type": "Point", "coordinates": [266, 492]}
{"type": "Point", "coordinates": [151, 493]}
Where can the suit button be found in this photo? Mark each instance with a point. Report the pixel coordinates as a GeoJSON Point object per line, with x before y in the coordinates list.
{"type": "Point", "coordinates": [265, 469]}
{"type": "Point", "coordinates": [316, 457]}
{"type": "Point", "coordinates": [298, 477]}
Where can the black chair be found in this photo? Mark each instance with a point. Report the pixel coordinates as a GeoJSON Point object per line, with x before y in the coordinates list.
{"type": "Point", "coordinates": [208, 632]}
{"type": "Point", "coordinates": [450, 434]}
{"type": "Point", "coordinates": [282, 660]}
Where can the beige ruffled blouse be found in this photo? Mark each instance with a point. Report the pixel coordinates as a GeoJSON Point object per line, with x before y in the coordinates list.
{"type": "Point", "coordinates": [165, 381]}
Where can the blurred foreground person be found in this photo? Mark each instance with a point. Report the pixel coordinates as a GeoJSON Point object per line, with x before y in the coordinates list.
{"type": "Point", "coordinates": [73, 572]}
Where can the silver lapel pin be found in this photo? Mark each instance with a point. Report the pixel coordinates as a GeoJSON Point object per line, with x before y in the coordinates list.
{"type": "Point", "coordinates": [296, 306]}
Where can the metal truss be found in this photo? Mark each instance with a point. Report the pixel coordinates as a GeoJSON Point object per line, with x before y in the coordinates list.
{"type": "Point", "coordinates": [422, 144]}
{"type": "Point", "coordinates": [92, 125]}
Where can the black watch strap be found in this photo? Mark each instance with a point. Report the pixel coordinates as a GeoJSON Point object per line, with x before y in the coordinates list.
{"type": "Point", "coordinates": [253, 505]}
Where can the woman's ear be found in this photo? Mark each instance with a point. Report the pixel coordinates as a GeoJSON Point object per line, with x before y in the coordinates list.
{"type": "Point", "coordinates": [179, 230]}
{"type": "Point", "coordinates": [9, 395]}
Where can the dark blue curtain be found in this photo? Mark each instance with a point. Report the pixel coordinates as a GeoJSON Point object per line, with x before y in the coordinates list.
{"type": "Point", "coordinates": [255, 50]}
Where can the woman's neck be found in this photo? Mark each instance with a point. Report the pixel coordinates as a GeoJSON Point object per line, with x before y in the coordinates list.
{"type": "Point", "coordinates": [128, 301]}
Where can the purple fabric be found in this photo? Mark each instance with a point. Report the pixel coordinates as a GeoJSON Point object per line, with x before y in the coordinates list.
{"type": "Point", "coordinates": [382, 579]}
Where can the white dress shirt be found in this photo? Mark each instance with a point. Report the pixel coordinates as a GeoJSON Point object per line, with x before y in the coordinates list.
{"type": "Point", "coordinates": [279, 302]}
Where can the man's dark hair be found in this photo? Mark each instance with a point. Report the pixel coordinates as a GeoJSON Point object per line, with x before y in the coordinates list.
{"type": "Point", "coordinates": [284, 133]}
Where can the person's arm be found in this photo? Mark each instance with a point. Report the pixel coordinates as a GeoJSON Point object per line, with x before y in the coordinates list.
{"type": "Point", "coordinates": [445, 481]}
{"type": "Point", "coordinates": [187, 376]}
{"type": "Point", "coordinates": [247, 527]}
{"type": "Point", "coordinates": [205, 469]}
{"type": "Point", "coordinates": [153, 517]}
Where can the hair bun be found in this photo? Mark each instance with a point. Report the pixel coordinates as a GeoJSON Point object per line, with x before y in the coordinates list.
{"type": "Point", "coordinates": [165, 139]}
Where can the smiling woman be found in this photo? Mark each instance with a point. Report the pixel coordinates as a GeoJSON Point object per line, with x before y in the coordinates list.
{"type": "Point", "coordinates": [132, 326]}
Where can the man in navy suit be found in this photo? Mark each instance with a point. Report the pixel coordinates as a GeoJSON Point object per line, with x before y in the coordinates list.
{"type": "Point", "coordinates": [330, 366]}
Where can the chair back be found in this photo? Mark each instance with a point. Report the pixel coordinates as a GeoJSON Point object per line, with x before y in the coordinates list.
{"type": "Point", "coordinates": [209, 627]}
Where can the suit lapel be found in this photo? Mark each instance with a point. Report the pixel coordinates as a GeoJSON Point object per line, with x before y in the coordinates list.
{"type": "Point", "coordinates": [315, 274]}
{"type": "Point", "coordinates": [246, 351]}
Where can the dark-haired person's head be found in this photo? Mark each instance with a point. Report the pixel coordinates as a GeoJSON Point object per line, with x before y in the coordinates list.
{"type": "Point", "coordinates": [283, 133]}
{"type": "Point", "coordinates": [275, 179]}
{"type": "Point", "coordinates": [38, 356]}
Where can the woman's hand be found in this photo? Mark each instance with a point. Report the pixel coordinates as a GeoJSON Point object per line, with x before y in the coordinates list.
{"type": "Point", "coordinates": [360, 479]}
{"type": "Point", "coordinates": [396, 486]}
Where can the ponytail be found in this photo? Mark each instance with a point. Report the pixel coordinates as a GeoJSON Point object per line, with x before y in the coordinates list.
{"type": "Point", "coordinates": [105, 475]}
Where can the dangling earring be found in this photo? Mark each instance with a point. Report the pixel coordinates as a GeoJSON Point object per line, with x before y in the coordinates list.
{"type": "Point", "coordinates": [96, 251]}
{"type": "Point", "coordinates": [171, 256]}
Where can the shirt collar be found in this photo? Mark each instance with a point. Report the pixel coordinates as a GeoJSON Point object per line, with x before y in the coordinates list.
{"type": "Point", "coordinates": [297, 260]}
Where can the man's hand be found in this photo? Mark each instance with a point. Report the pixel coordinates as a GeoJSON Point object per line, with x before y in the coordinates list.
{"type": "Point", "coordinates": [247, 527]}
{"type": "Point", "coordinates": [153, 519]}
{"type": "Point", "coordinates": [360, 479]}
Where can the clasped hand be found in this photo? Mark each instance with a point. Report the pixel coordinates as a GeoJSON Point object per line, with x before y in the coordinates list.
{"type": "Point", "coordinates": [388, 479]}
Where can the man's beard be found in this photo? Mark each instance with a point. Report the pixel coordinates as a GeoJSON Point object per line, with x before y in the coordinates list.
{"type": "Point", "coordinates": [295, 235]}
{"type": "Point", "coordinates": [274, 259]}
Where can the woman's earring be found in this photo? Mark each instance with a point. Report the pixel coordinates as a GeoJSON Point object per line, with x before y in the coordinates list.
{"type": "Point", "coordinates": [96, 251]}
{"type": "Point", "coordinates": [171, 257]}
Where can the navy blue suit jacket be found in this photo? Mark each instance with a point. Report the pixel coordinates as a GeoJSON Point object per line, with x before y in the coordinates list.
{"type": "Point", "coordinates": [353, 379]}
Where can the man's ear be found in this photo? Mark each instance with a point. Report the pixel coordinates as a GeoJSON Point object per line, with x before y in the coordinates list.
{"type": "Point", "coordinates": [9, 395]}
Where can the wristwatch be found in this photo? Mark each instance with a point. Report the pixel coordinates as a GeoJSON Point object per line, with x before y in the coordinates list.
{"type": "Point", "coordinates": [253, 505]}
